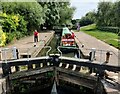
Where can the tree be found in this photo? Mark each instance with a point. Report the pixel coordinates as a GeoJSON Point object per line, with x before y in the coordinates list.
{"type": "Point", "coordinates": [66, 13]}
{"type": "Point", "coordinates": [57, 13]}
{"type": "Point", "coordinates": [104, 14]}
{"type": "Point", "coordinates": [117, 13]}
{"type": "Point", "coordinates": [91, 16]}
{"type": "Point", "coordinates": [32, 12]}
{"type": "Point", "coordinates": [85, 21]}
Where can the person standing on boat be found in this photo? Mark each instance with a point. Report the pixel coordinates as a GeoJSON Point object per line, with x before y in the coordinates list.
{"type": "Point", "coordinates": [73, 35]}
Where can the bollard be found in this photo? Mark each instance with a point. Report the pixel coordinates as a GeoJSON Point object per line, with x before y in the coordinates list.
{"type": "Point", "coordinates": [107, 56]}
{"type": "Point", "coordinates": [91, 58]}
{"type": "Point", "coordinates": [82, 45]}
{"type": "Point", "coordinates": [92, 54]}
{"type": "Point", "coordinates": [35, 44]}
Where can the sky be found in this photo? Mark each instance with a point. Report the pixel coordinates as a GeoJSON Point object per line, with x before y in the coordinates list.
{"type": "Point", "coordinates": [84, 6]}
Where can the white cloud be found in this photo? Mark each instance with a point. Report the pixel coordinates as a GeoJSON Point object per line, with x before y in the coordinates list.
{"type": "Point", "coordinates": [84, 6]}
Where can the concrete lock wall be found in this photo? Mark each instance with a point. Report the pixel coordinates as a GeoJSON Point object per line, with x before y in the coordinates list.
{"type": "Point", "coordinates": [3, 86]}
{"type": "Point", "coordinates": [0, 54]}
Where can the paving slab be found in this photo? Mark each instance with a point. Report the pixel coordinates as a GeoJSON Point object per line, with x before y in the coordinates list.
{"type": "Point", "coordinates": [100, 55]}
{"type": "Point", "coordinates": [100, 46]}
{"type": "Point", "coordinates": [25, 45]}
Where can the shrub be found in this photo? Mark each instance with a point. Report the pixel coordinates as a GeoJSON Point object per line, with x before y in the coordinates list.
{"type": "Point", "coordinates": [10, 37]}
{"type": "Point", "coordinates": [14, 25]}
{"type": "Point", "coordinates": [2, 37]}
{"type": "Point", "coordinates": [110, 29]}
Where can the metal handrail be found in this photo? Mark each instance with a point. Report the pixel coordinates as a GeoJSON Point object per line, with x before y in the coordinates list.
{"type": "Point", "coordinates": [48, 50]}
{"type": "Point", "coordinates": [58, 48]}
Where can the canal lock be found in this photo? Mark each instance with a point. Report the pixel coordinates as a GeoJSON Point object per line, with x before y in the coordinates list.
{"type": "Point", "coordinates": [42, 84]}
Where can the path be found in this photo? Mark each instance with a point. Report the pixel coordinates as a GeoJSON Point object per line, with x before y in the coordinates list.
{"type": "Point", "coordinates": [91, 42]}
{"type": "Point", "coordinates": [26, 45]}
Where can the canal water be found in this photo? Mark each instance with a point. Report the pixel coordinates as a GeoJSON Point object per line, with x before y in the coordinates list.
{"type": "Point", "coordinates": [54, 48]}
{"type": "Point", "coordinates": [63, 88]}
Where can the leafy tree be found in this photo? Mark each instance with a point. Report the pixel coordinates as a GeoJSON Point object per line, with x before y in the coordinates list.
{"type": "Point", "coordinates": [91, 16]}
{"type": "Point", "coordinates": [117, 13]}
{"type": "Point", "coordinates": [104, 13]}
{"type": "Point", "coordinates": [85, 21]}
{"type": "Point", "coordinates": [66, 13]}
{"type": "Point", "coordinates": [32, 12]}
{"type": "Point", "coordinates": [14, 26]}
{"type": "Point", "coordinates": [108, 14]}
{"type": "Point", "coordinates": [57, 13]}
{"type": "Point", "coordinates": [39, 14]}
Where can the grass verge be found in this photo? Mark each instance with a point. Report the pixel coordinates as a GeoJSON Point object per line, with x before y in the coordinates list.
{"type": "Point", "coordinates": [108, 37]}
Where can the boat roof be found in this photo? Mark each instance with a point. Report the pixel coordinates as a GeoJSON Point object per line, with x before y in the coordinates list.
{"type": "Point", "coordinates": [65, 31]}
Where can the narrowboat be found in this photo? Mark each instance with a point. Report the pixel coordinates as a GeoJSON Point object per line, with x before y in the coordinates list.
{"type": "Point", "coordinates": [68, 40]}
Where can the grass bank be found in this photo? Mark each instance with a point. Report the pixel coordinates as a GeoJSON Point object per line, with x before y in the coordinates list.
{"type": "Point", "coordinates": [108, 37]}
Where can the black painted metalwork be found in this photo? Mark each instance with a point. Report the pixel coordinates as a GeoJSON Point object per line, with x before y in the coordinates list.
{"type": "Point", "coordinates": [55, 60]}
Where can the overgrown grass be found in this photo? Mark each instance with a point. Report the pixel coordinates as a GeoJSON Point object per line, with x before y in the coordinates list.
{"type": "Point", "coordinates": [91, 27]}
{"type": "Point", "coordinates": [108, 37]}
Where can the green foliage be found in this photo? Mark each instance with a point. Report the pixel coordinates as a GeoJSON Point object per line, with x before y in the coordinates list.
{"type": "Point", "coordinates": [117, 14]}
{"type": "Point", "coordinates": [88, 27]}
{"type": "Point", "coordinates": [66, 14]}
{"type": "Point", "coordinates": [106, 18]}
{"type": "Point", "coordinates": [113, 42]}
{"type": "Point", "coordinates": [85, 21]}
{"type": "Point", "coordinates": [108, 14]}
{"type": "Point", "coordinates": [89, 18]}
{"type": "Point", "coordinates": [110, 29]}
{"type": "Point", "coordinates": [9, 22]}
{"type": "Point", "coordinates": [22, 27]}
{"type": "Point", "coordinates": [2, 37]}
{"type": "Point", "coordinates": [13, 36]}
{"type": "Point", "coordinates": [39, 14]}
{"type": "Point", "coordinates": [57, 13]}
{"type": "Point", "coordinates": [32, 11]}
{"type": "Point", "coordinates": [14, 26]}
{"type": "Point", "coordinates": [10, 37]}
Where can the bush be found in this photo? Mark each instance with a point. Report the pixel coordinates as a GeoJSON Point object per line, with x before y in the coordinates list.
{"type": "Point", "coordinates": [2, 37]}
{"type": "Point", "coordinates": [85, 21]}
{"type": "Point", "coordinates": [14, 25]}
{"type": "Point", "coordinates": [10, 37]}
{"type": "Point", "coordinates": [110, 29]}
{"type": "Point", "coordinates": [13, 36]}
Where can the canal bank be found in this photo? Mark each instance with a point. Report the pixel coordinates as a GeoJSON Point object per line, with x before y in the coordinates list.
{"type": "Point", "coordinates": [26, 48]}
{"type": "Point", "coordinates": [86, 43]}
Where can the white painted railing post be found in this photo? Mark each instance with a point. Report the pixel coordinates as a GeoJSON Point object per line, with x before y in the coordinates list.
{"type": "Point", "coordinates": [14, 52]}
